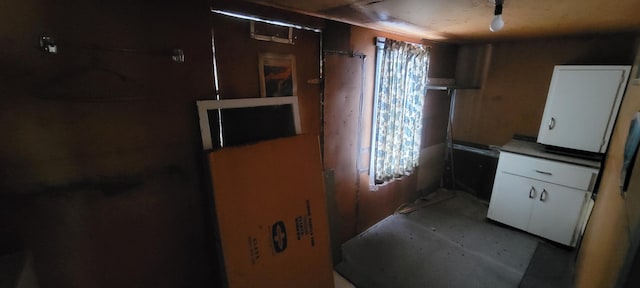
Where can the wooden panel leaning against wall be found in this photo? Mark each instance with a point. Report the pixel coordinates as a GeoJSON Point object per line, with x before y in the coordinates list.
{"type": "Point", "coordinates": [343, 88]}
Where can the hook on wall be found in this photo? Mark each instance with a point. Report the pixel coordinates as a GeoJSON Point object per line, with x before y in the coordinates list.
{"type": "Point", "coordinates": [48, 45]}
{"type": "Point", "coordinates": [178, 55]}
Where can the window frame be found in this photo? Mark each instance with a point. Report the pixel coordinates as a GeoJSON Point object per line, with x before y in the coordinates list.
{"type": "Point", "coordinates": [205, 105]}
{"type": "Point", "coordinates": [380, 47]}
{"type": "Point", "coordinates": [374, 118]}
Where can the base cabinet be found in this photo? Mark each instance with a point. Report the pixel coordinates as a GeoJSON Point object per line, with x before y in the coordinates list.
{"type": "Point", "coordinates": [510, 201]}
{"type": "Point", "coordinates": [524, 197]}
{"type": "Point", "coordinates": [556, 212]}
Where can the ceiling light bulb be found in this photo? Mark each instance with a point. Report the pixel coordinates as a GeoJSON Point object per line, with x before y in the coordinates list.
{"type": "Point", "coordinates": [497, 23]}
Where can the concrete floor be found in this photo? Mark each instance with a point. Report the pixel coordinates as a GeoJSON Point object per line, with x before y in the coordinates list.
{"type": "Point", "coordinates": [443, 242]}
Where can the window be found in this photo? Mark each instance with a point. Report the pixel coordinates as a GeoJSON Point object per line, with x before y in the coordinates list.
{"type": "Point", "coordinates": [401, 84]}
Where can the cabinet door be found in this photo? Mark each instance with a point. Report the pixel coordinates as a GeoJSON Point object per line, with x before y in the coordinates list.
{"type": "Point", "coordinates": [556, 212]}
{"type": "Point", "coordinates": [511, 200]}
{"type": "Point", "coordinates": [580, 106]}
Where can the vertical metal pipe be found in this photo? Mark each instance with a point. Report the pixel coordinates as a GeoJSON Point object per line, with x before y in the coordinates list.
{"type": "Point", "coordinates": [449, 149]}
{"type": "Point", "coordinates": [374, 130]}
{"type": "Point", "coordinates": [216, 84]}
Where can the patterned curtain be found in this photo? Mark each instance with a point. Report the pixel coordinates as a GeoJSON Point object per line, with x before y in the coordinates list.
{"type": "Point", "coordinates": [399, 104]}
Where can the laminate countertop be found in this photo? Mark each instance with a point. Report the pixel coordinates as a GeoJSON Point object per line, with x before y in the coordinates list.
{"type": "Point", "coordinates": [537, 150]}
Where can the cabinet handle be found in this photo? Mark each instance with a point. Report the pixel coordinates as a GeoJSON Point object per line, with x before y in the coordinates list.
{"type": "Point", "coordinates": [544, 172]}
{"type": "Point", "coordinates": [552, 123]}
{"type": "Point", "coordinates": [532, 193]}
{"type": "Point", "coordinates": [543, 195]}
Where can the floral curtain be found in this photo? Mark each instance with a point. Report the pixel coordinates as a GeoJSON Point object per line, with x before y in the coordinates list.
{"type": "Point", "coordinates": [400, 97]}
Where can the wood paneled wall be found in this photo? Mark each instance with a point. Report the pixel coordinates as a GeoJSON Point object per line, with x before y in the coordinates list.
{"type": "Point", "coordinates": [613, 226]}
{"type": "Point", "coordinates": [100, 157]}
{"type": "Point", "coordinates": [514, 89]}
{"type": "Point", "coordinates": [237, 58]}
{"type": "Point", "coordinates": [360, 203]}
{"type": "Point", "coordinates": [511, 100]}
{"type": "Point", "coordinates": [101, 172]}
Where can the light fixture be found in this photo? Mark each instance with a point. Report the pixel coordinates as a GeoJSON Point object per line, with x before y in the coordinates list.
{"type": "Point", "coordinates": [497, 23]}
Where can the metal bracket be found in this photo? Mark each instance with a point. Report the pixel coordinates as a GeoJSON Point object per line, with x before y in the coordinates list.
{"type": "Point", "coordinates": [257, 36]}
{"type": "Point", "coordinates": [48, 45]}
{"type": "Point", "coordinates": [178, 55]}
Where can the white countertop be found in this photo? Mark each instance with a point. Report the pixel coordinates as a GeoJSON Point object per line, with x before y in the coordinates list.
{"type": "Point", "coordinates": [537, 150]}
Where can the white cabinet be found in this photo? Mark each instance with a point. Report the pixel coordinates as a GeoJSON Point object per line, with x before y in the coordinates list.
{"type": "Point", "coordinates": [540, 196]}
{"type": "Point", "coordinates": [510, 201]}
{"type": "Point", "coordinates": [581, 106]}
{"type": "Point", "coordinates": [556, 212]}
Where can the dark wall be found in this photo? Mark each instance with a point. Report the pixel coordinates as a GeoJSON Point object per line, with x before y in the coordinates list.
{"type": "Point", "coordinates": [100, 157]}
{"type": "Point", "coordinates": [442, 64]}
{"type": "Point", "coordinates": [101, 172]}
{"type": "Point", "coordinates": [513, 81]}
{"type": "Point", "coordinates": [360, 204]}
{"type": "Point", "coordinates": [514, 89]}
{"type": "Point", "coordinates": [237, 57]}
{"type": "Point", "coordinates": [511, 100]}
{"type": "Point", "coordinates": [612, 230]}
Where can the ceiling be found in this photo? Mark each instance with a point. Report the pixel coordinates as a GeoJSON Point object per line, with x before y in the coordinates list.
{"type": "Point", "coordinates": [468, 20]}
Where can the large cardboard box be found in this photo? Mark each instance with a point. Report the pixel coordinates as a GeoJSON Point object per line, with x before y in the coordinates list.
{"type": "Point", "coordinates": [271, 214]}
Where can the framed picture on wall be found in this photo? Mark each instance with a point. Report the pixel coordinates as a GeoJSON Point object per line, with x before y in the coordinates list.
{"type": "Point", "coordinates": [277, 75]}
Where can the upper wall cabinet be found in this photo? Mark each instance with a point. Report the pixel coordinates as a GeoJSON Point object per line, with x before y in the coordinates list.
{"type": "Point", "coordinates": [582, 105]}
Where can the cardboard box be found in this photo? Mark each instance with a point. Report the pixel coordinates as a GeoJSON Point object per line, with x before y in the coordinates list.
{"type": "Point", "coordinates": [271, 214]}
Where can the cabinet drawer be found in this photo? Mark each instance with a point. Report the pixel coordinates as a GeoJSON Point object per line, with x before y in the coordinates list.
{"type": "Point", "coordinates": [565, 174]}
